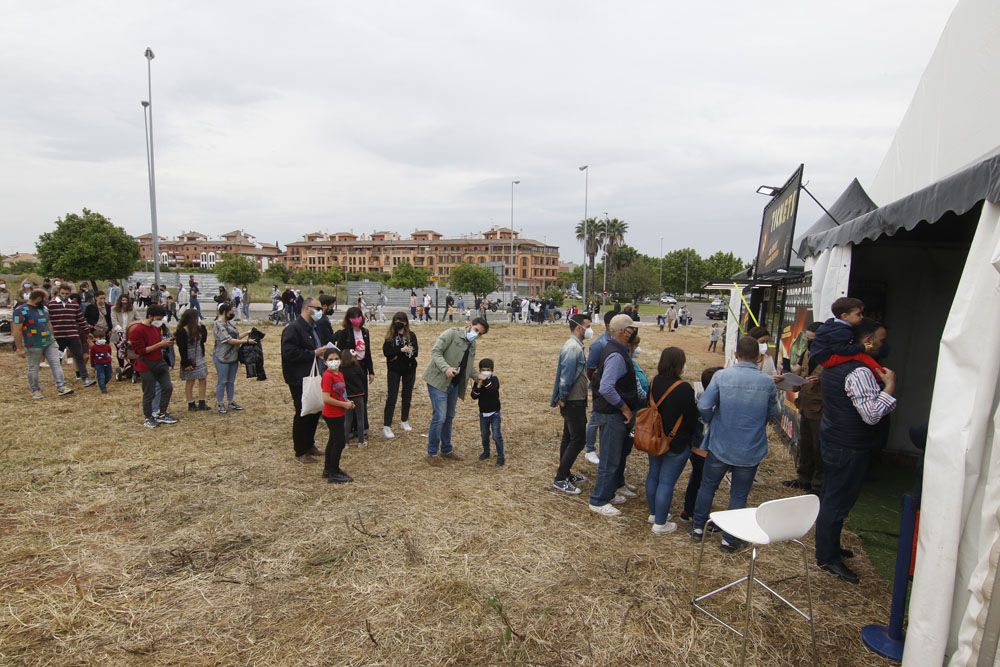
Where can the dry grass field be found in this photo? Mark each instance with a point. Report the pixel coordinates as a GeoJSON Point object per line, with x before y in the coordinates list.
{"type": "Point", "coordinates": [206, 543]}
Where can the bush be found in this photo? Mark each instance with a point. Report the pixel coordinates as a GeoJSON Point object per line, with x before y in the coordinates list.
{"type": "Point", "coordinates": [555, 294]}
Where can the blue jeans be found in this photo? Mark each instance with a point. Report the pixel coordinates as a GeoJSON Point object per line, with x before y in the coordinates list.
{"type": "Point", "coordinates": [611, 471]}
{"type": "Point", "coordinates": [487, 424]}
{"type": "Point", "coordinates": [225, 383]}
{"type": "Point", "coordinates": [843, 475]}
{"type": "Point", "coordinates": [443, 412]}
{"type": "Point", "coordinates": [591, 442]}
{"type": "Point", "coordinates": [103, 372]}
{"type": "Point", "coordinates": [663, 474]}
{"type": "Point", "coordinates": [34, 356]}
{"type": "Point", "coordinates": [712, 474]}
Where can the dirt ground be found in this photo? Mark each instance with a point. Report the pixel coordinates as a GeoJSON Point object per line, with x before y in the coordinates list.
{"type": "Point", "coordinates": [206, 543]}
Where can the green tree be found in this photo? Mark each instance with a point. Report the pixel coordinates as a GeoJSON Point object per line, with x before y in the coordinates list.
{"type": "Point", "coordinates": [407, 276]}
{"type": "Point", "coordinates": [636, 281]}
{"type": "Point", "coordinates": [590, 232]}
{"type": "Point", "coordinates": [555, 294]}
{"type": "Point", "coordinates": [278, 272]}
{"type": "Point", "coordinates": [614, 240]}
{"type": "Point", "coordinates": [87, 246]}
{"type": "Point", "coordinates": [479, 280]}
{"type": "Point", "coordinates": [237, 270]}
{"type": "Point", "coordinates": [21, 267]}
{"type": "Point", "coordinates": [333, 276]}
{"type": "Point", "coordinates": [683, 268]}
{"type": "Point", "coordinates": [306, 278]}
{"type": "Point", "coordinates": [722, 266]}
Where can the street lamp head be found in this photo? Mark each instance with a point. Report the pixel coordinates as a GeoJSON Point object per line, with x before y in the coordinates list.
{"type": "Point", "coordinates": [515, 182]}
{"type": "Point", "coordinates": [144, 103]}
{"type": "Point", "coordinates": [149, 53]}
{"type": "Point", "coordinates": [768, 190]}
{"type": "Point", "coordinates": [584, 167]}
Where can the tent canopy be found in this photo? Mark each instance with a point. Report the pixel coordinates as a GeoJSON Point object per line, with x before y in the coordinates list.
{"type": "Point", "coordinates": [853, 202]}
{"type": "Point", "coordinates": [958, 193]}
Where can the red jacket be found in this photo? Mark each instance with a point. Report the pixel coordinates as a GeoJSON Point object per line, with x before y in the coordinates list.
{"type": "Point", "coordinates": [141, 336]}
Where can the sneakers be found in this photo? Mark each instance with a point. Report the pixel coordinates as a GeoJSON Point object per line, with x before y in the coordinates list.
{"type": "Point", "coordinates": [65, 391]}
{"type": "Point", "coordinates": [626, 492]}
{"type": "Point", "coordinates": [234, 406]}
{"type": "Point", "coordinates": [90, 382]}
{"type": "Point", "coordinates": [501, 462]}
{"type": "Point", "coordinates": [387, 433]}
{"type": "Point", "coordinates": [451, 455]}
{"type": "Point", "coordinates": [618, 500]}
{"type": "Point", "coordinates": [630, 487]}
{"type": "Point", "coordinates": [337, 477]}
{"type": "Point", "coordinates": [592, 458]}
{"type": "Point", "coordinates": [150, 423]}
{"type": "Point", "coordinates": [605, 510]}
{"type": "Point", "coordinates": [697, 535]}
{"type": "Point", "coordinates": [37, 394]}
{"type": "Point", "coordinates": [685, 516]}
{"type": "Point", "coordinates": [202, 405]}
{"type": "Point", "coordinates": [192, 407]}
{"type": "Point", "coordinates": [664, 529]}
{"type": "Point", "coordinates": [222, 409]}
{"type": "Point", "coordinates": [435, 461]}
{"type": "Point", "coordinates": [362, 444]}
{"type": "Point", "coordinates": [484, 456]}
{"type": "Point", "coordinates": [306, 458]}
{"type": "Point", "coordinates": [652, 517]}
{"type": "Point", "coordinates": [577, 479]}
{"type": "Point", "coordinates": [729, 547]}
{"type": "Point", "coordinates": [165, 418]}
{"type": "Point", "coordinates": [406, 427]}
{"type": "Point", "coordinates": [566, 486]}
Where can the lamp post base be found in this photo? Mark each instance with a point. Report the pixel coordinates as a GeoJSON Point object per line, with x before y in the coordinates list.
{"type": "Point", "coordinates": [879, 639]}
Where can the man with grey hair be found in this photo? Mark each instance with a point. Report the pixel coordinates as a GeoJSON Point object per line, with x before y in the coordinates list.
{"type": "Point", "coordinates": [616, 398]}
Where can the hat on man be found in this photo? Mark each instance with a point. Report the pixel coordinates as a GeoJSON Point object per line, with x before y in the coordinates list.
{"type": "Point", "coordinates": [620, 323]}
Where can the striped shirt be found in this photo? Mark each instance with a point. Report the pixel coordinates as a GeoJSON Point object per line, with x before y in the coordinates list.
{"type": "Point", "coordinates": [67, 319]}
{"type": "Point", "coordinates": [867, 396]}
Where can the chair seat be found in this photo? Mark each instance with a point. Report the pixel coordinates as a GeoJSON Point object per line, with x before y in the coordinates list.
{"type": "Point", "coordinates": [741, 524]}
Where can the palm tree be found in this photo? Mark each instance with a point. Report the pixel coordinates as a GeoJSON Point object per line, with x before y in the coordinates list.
{"type": "Point", "coordinates": [614, 238]}
{"type": "Point", "coordinates": [592, 232]}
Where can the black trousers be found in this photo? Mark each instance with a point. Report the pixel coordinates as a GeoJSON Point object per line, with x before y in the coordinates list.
{"type": "Point", "coordinates": [574, 435]}
{"type": "Point", "coordinates": [159, 374]}
{"type": "Point", "coordinates": [303, 428]}
{"type": "Point", "coordinates": [75, 347]}
{"type": "Point", "coordinates": [393, 380]}
{"type": "Point", "coordinates": [694, 483]}
{"type": "Point", "coordinates": [334, 443]}
{"type": "Point", "coordinates": [810, 464]}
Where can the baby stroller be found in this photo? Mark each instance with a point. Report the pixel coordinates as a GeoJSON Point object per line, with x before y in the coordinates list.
{"type": "Point", "coordinates": [119, 341]}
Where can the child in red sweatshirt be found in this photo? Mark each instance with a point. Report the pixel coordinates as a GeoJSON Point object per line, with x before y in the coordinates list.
{"type": "Point", "coordinates": [100, 359]}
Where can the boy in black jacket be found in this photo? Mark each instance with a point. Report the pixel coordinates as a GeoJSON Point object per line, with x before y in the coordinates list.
{"type": "Point", "coordinates": [487, 392]}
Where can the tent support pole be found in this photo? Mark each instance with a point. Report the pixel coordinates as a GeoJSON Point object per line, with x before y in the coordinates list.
{"type": "Point", "coordinates": [835, 221]}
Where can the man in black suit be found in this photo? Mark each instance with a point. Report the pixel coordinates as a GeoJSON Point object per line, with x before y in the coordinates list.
{"type": "Point", "coordinates": [301, 346]}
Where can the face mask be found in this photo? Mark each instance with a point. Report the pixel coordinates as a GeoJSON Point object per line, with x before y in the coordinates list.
{"type": "Point", "coordinates": [333, 364]}
{"type": "Point", "coordinates": [632, 334]}
{"type": "Point", "coordinates": [763, 348]}
{"type": "Point", "coordinates": [57, 283]}
{"type": "Point", "coordinates": [357, 321]}
{"type": "Point", "coordinates": [486, 375]}
{"type": "Point", "coordinates": [471, 335]}
{"type": "Point", "coordinates": [588, 334]}
{"type": "Point", "coordinates": [157, 323]}
{"type": "Point", "coordinates": [101, 341]}
{"type": "Point", "coordinates": [230, 316]}
{"type": "Point", "coordinates": [637, 352]}
{"type": "Point", "coordinates": [317, 315]}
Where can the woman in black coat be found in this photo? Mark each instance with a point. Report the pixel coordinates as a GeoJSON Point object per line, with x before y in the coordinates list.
{"type": "Point", "coordinates": [354, 336]}
{"type": "Point", "coordinates": [400, 350]}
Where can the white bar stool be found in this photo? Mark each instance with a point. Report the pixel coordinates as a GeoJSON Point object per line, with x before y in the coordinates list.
{"type": "Point", "coordinates": [782, 520]}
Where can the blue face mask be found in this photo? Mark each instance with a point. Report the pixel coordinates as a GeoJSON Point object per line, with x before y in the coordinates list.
{"type": "Point", "coordinates": [317, 315]}
{"type": "Point", "coordinates": [471, 335]}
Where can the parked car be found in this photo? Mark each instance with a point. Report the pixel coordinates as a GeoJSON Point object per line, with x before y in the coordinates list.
{"type": "Point", "coordinates": [716, 311]}
{"type": "Point", "coordinates": [668, 299]}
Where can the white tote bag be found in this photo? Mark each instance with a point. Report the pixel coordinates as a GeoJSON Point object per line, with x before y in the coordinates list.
{"type": "Point", "coordinates": [312, 393]}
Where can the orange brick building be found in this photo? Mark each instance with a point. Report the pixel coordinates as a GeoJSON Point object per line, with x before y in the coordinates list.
{"type": "Point", "coordinates": [194, 249]}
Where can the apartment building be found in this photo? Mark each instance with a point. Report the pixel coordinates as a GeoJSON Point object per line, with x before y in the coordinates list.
{"type": "Point", "coordinates": [535, 264]}
{"type": "Point", "coordinates": [194, 249]}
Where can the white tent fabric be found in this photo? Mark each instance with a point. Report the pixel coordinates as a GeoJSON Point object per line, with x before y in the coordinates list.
{"type": "Point", "coordinates": [951, 122]}
{"type": "Point", "coordinates": [831, 272]}
{"type": "Point", "coordinates": [959, 535]}
{"type": "Point", "coordinates": [732, 326]}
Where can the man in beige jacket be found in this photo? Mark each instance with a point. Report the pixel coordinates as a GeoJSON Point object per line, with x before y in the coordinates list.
{"type": "Point", "coordinates": [453, 360]}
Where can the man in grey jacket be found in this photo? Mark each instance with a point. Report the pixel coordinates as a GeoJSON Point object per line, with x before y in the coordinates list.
{"type": "Point", "coordinates": [452, 362]}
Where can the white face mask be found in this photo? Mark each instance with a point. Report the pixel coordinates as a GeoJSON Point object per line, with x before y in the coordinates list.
{"type": "Point", "coordinates": [333, 364]}
{"type": "Point", "coordinates": [486, 375]}
{"type": "Point", "coordinates": [101, 341]}
{"type": "Point", "coordinates": [588, 334]}
{"type": "Point", "coordinates": [763, 348]}
{"type": "Point", "coordinates": [156, 323]}
{"type": "Point", "coordinates": [637, 352]}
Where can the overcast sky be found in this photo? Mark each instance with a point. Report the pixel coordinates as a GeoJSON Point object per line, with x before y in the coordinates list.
{"type": "Point", "coordinates": [403, 115]}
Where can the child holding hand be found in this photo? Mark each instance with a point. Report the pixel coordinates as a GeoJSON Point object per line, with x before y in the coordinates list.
{"type": "Point", "coordinates": [487, 392]}
{"type": "Point", "coordinates": [335, 404]}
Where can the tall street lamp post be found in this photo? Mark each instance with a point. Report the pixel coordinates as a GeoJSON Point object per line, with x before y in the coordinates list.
{"type": "Point", "coordinates": [147, 107]}
{"type": "Point", "coordinates": [513, 266]}
{"type": "Point", "coordinates": [586, 231]}
{"type": "Point", "coordinates": [604, 297]}
{"type": "Point", "coordinates": [661, 263]}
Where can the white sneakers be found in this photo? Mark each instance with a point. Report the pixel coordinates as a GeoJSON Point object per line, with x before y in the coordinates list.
{"type": "Point", "coordinates": [652, 517]}
{"type": "Point", "coordinates": [664, 529]}
{"type": "Point", "coordinates": [387, 433]}
{"type": "Point", "coordinates": [592, 458]}
{"type": "Point", "coordinates": [626, 492]}
{"type": "Point", "coordinates": [618, 500]}
{"type": "Point", "coordinates": [406, 427]}
{"type": "Point", "coordinates": [605, 510]}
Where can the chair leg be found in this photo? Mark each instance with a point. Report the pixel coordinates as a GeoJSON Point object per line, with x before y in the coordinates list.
{"type": "Point", "coordinates": [809, 597]}
{"type": "Point", "coordinates": [746, 629]}
{"type": "Point", "coordinates": [697, 568]}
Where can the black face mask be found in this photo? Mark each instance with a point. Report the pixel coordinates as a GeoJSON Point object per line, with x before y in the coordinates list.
{"type": "Point", "coordinates": [632, 335]}
{"type": "Point", "coordinates": [230, 316]}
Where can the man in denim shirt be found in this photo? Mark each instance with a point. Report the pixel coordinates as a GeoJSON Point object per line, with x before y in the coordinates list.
{"type": "Point", "coordinates": [736, 405]}
{"type": "Point", "coordinates": [593, 361]}
{"type": "Point", "coordinates": [570, 394]}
